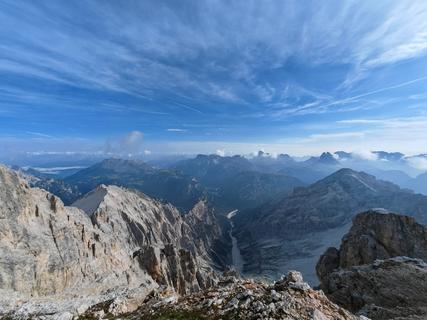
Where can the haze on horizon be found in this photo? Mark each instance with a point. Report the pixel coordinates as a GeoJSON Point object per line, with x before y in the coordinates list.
{"type": "Point", "coordinates": [157, 77]}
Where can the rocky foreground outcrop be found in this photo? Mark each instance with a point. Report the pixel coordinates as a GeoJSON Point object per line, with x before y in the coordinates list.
{"type": "Point", "coordinates": [58, 260]}
{"type": "Point", "coordinates": [379, 270]}
{"type": "Point", "coordinates": [288, 298]}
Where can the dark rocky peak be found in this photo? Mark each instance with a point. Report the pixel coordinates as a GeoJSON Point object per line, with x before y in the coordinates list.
{"type": "Point", "coordinates": [263, 154]}
{"type": "Point", "coordinates": [379, 234]}
{"type": "Point", "coordinates": [326, 158]}
{"type": "Point", "coordinates": [376, 234]}
{"type": "Point", "coordinates": [379, 270]}
{"type": "Point", "coordinates": [285, 156]}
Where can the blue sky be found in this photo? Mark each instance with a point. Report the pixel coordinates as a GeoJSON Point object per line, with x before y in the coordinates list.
{"type": "Point", "coordinates": [213, 76]}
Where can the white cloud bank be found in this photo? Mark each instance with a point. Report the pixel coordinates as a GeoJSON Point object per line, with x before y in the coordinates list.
{"type": "Point", "coordinates": [419, 163]}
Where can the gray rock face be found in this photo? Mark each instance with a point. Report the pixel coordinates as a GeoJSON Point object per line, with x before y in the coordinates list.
{"type": "Point", "coordinates": [382, 235]}
{"type": "Point", "coordinates": [124, 241]}
{"type": "Point", "coordinates": [379, 269]}
{"type": "Point", "coordinates": [156, 235]}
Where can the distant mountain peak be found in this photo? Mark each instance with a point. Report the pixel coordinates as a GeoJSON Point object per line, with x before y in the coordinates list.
{"type": "Point", "coordinates": [357, 180]}
{"type": "Point", "coordinates": [285, 156]}
{"type": "Point", "coordinates": [263, 154]}
{"type": "Point", "coordinates": [326, 158]}
{"type": "Point", "coordinates": [344, 173]}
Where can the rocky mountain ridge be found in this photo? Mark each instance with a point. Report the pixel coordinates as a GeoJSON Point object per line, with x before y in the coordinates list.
{"type": "Point", "coordinates": [118, 253]}
{"type": "Point", "coordinates": [379, 270]}
{"type": "Point", "coordinates": [313, 218]}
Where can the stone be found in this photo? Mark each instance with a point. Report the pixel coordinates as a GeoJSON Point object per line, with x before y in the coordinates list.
{"type": "Point", "coordinates": [379, 269]}
{"type": "Point", "coordinates": [300, 305]}
{"type": "Point", "coordinates": [318, 315]}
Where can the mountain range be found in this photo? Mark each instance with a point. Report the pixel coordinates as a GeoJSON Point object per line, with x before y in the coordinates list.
{"type": "Point", "coordinates": [277, 199]}
{"type": "Point", "coordinates": [228, 182]}
{"type": "Point", "coordinates": [209, 175]}
{"type": "Point", "coordinates": [235, 182]}
{"type": "Point", "coordinates": [164, 184]}
{"type": "Point", "coordinates": [296, 227]}
{"type": "Point", "coordinates": [117, 248]}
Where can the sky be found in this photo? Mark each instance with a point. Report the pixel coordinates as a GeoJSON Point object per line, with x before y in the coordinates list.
{"type": "Point", "coordinates": [155, 77]}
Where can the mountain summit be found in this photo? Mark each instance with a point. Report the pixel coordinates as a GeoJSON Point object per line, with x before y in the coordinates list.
{"type": "Point", "coordinates": [326, 158]}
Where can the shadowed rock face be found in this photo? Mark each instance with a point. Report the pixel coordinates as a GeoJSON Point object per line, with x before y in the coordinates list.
{"type": "Point", "coordinates": [394, 288]}
{"type": "Point", "coordinates": [49, 250]}
{"type": "Point", "coordinates": [379, 269]}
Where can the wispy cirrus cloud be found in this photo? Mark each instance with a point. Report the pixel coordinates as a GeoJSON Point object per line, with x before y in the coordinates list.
{"type": "Point", "coordinates": [210, 64]}
{"type": "Point", "coordinates": [39, 134]}
{"type": "Point", "coordinates": [415, 123]}
{"type": "Point", "coordinates": [176, 130]}
{"type": "Point", "coordinates": [142, 47]}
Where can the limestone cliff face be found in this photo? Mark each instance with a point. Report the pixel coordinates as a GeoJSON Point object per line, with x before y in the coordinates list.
{"type": "Point", "coordinates": [118, 239]}
{"type": "Point", "coordinates": [379, 270]}
{"type": "Point", "coordinates": [153, 233]}
{"type": "Point", "coordinates": [46, 248]}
